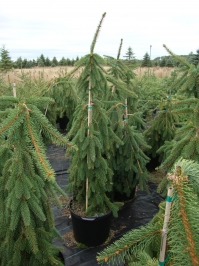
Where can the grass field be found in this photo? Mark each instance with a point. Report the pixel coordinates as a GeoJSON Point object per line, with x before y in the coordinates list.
{"type": "Point", "coordinates": [49, 73]}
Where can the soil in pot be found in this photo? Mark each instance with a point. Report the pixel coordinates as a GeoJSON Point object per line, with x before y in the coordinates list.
{"type": "Point", "coordinates": [90, 231]}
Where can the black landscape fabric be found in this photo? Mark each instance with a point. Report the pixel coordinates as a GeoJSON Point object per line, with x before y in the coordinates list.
{"type": "Point", "coordinates": [133, 214]}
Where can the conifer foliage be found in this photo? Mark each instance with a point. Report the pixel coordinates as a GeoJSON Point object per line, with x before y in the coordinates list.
{"type": "Point", "coordinates": [129, 54]}
{"type": "Point", "coordinates": [5, 60]}
{"type": "Point", "coordinates": [90, 175]}
{"type": "Point", "coordinates": [185, 143]}
{"type": "Point", "coordinates": [27, 183]}
{"type": "Point", "coordinates": [146, 60]}
{"type": "Point", "coordinates": [129, 160]}
{"type": "Point", "coordinates": [64, 93]}
{"type": "Point", "coordinates": [142, 246]}
{"type": "Point", "coordinates": [162, 126]}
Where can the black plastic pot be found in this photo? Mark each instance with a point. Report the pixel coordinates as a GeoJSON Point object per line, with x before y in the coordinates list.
{"type": "Point", "coordinates": [61, 257]}
{"type": "Point", "coordinates": [123, 197]}
{"type": "Point", "coordinates": [153, 163]}
{"type": "Point", "coordinates": [63, 122]}
{"type": "Point", "coordinates": [92, 231]}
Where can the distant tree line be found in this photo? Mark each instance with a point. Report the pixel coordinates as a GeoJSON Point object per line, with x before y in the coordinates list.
{"type": "Point", "coordinates": [43, 62]}
{"type": "Point", "coordinates": [165, 61]}
{"type": "Point", "coordinates": [6, 63]}
{"type": "Point", "coordinates": [169, 61]}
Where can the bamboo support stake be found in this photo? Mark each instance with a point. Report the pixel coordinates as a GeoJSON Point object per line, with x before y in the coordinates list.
{"type": "Point", "coordinates": [125, 113]}
{"type": "Point", "coordinates": [45, 115]}
{"type": "Point", "coordinates": [89, 106]}
{"type": "Point", "coordinates": [14, 90]}
{"type": "Point", "coordinates": [165, 226]}
{"type": "Point", "coordinates": [86, 193]}
{"type": "Point", "coordinates": [89, 122]}
{"type": "Point", "coordinates": [113, 91]}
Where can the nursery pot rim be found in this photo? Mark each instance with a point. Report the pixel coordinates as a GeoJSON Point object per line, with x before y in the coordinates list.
{"type": "Point", "coordinates": [90, 218]}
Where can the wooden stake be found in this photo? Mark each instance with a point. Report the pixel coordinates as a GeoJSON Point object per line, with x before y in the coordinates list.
{"type": "Point", "coordinates": [45, 115]}
{"type": "Point", "coordinates": [165, 225]}
{"type": "Point", "coordinates": [86, 193]}
{"type": "Point", "coordinates": [89, 106]}
{"type": "Point", "coordinates": [14, 90]}
{"type": "Point", "coordinates": [125, 113]}
{"type": "Point", "coordinates": [89, 122]}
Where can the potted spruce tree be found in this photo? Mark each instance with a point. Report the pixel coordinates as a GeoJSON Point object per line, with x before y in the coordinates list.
{"type": "Point", "coordinates": [27, 182]}
{"type": "Point", "coordinates": [129, 160]}
{"type": "Point", "coordinates": [90, 178]}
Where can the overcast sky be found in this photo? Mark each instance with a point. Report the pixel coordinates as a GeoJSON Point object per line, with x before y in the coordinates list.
{"type": "Point", "coordinates": [64, 28]}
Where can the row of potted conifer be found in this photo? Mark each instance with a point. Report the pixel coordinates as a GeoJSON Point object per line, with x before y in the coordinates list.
{"type": "Point", "coordinates": [107, 142]}
{"type": "Point", "coordinates": [95, 142]}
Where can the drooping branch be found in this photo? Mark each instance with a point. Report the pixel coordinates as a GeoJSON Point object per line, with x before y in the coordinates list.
{"type": "Point", "coordinates": [191, 245]}
{"type": "Point", "coordinates": [123, 246]}
{"type": "Point", "coordinates": [49, 172]}
{"type": "Point", "coordinates": [12, 121]}
{"type": "Point", "coordinates": [176, 57]}
{"type": "Point", "coordinates": [180, 180]}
